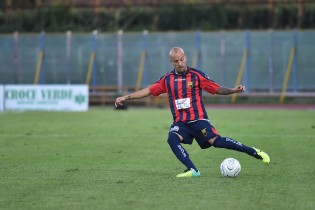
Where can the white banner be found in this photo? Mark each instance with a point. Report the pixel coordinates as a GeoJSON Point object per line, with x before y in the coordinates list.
{"type": "Point", "coordinates": [46, 97]}
{"type": "Point", "coordinates": [1, 98]}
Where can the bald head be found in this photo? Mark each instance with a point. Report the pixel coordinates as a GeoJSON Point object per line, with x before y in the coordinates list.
{"type": "Point", "coordinates": [176, 50]}
{"type": "Point", "coordinates": [178, 59]}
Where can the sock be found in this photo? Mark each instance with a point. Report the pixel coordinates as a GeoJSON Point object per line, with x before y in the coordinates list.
{"type": "Point", "coordinates": [179, 151]}
{"type": "Point", "coordinates": [228, 143]}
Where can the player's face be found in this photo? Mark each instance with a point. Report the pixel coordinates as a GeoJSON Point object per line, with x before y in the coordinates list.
{"type": "Point", "coordinates": [179, 62]}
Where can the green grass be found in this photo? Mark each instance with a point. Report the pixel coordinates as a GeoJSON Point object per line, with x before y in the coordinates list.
{"type": "Point", "coordinates": [107, 159]}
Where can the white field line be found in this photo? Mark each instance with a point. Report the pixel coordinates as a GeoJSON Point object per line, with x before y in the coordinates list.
{"type": "Point", "coordinates": [145, 136]}
{"type": "Point", "coordinates": [35, 135]}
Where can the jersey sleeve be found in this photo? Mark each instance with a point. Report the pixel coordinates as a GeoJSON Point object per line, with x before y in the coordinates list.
{"type": "Point", "coordinates": [211, 87]}
{"type": "Point", "coordinates": [158, 87]}
{"type": "Point", "coordinates": [208, 84]}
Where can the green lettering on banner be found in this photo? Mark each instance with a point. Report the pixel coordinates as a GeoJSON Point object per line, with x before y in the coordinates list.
{"type": "Point", "coordinates": [44, 94]}
{"type": "Point", "coordinates": [62, 94]}
{"type": "Point", "coordinates": [56, 94]}
{"type": "Point", "coordinates": [25, 102]}
{"type": "Point", "coordinates": [20, 94]}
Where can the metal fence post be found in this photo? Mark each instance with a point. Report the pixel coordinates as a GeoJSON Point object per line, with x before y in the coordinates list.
{"type": "Point", "coordinates": [271, 79]}
{"type": "Point", "coordinates": [247, 64]}
{"type": "Point", "coordinates": [144, 50]}
{"type": "Point", "coordinates": [119, 61]}
{"type": "Point", "coordinates": [68, 56]}
{"type": "Point", "coordinates": [198, 46]}
{"type": "Point", "coordinates": [91, 69]}
{"type": "Point", "coordinates": [94, 46]}
{"type": "Point", "coordinates": [16, 57]}
{"type": "Point", "coordinates": [294, 68]}
{"type": "Point", "coordinates": [223, 57]}
{"type": "Point", "coordinates": [42, 47]}
{"type": "Point", "coordinates": [39, 75]}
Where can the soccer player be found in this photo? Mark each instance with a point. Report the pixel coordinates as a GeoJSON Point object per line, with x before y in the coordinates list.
{"type": "Point", "coordinates": [184, 87]}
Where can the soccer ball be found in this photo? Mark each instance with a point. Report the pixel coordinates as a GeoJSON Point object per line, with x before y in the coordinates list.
{"type": "Point", "coordinates": [230, 167]}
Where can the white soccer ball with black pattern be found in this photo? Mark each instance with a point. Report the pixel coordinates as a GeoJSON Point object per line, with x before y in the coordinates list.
{"type": "Point", "coordinates": [230, 167]}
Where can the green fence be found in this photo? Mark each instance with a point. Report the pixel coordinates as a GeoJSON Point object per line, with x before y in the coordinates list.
{"type": "Point", "coordinates": [67, 57]}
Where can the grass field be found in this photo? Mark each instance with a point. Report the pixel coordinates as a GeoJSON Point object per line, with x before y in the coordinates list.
{"type": "Point", "coordinates": [107, 159]}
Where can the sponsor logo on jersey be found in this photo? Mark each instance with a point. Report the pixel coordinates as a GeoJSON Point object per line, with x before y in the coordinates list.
{"type": "Point", "coordinates": [181, 79]}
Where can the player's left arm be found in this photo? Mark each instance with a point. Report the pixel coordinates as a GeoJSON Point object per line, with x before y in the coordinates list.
{"type": "Point", "coordinates": [228, 91]}
{"type": "Point", "coordinates": [214, 88]}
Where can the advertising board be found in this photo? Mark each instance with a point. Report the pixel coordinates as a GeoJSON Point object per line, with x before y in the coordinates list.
{"type": "Point", "coordinates": [46, 97]}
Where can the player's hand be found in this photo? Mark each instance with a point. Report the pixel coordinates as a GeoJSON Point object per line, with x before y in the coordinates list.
{"type": "Point", "coordinates": [240, 88]}
{"type": "Point", "coordinates": [120, 101]}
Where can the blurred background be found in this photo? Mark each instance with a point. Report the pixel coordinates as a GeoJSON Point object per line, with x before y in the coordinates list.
{"type": "Point", "coordinates": [119, 46]}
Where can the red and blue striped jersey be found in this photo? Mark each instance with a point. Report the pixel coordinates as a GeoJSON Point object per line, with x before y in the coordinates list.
{"type": "Point", "coordinates": [185, 93]}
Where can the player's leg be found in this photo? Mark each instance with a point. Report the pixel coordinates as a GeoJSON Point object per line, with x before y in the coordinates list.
{"type": "Point", "coordinates": [203, 132]}
{"type": "Point", "coordinates": [176, 136]}
{"type": "Point", "coordinates": [207, 136]}
{"type": "Point", "coordinates": [229, 143]}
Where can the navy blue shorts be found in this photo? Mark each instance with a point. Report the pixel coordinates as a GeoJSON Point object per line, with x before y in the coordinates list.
{"type": "Point", "coordinates": [200, 130]}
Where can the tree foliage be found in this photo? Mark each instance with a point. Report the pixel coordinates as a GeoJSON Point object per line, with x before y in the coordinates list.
{"type": "Point", "coordinates": [163, 18]}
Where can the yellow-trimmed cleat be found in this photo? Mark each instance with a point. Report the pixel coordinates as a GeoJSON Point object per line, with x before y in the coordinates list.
{"type": "Point", "coordinates": [264, 157]}
{"type": "Point", "coordinates": [189, 173]}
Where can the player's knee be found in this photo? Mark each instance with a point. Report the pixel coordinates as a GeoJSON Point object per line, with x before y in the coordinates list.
{"type": "Point", "coordinates": [211, 141]}
{"type": "Point", "coordinates": [215, 141]}
{"type": "Point", "coordinates": [173, 138]}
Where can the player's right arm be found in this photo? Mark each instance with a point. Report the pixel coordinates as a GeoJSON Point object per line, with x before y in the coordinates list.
{"type": "Point", "coordinates": [155, 90]}
{"type": "Point", "coordinates": [136, 95]}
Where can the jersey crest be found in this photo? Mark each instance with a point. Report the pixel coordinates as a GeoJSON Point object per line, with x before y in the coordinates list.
{"type": "Point", "coordinates": [190, 85]}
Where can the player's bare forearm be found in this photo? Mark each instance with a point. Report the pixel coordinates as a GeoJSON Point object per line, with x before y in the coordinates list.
{"type": "Point", "coordinates": [139, 94]}
{"type": "Point", "coordinates": [228, 91]}
{"type": "Point", "coordinates": [224, 91]}
{"type": "Point", "coordinates": [136, 95]}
